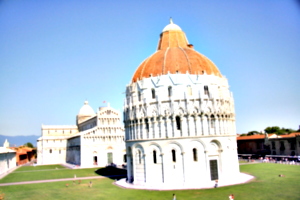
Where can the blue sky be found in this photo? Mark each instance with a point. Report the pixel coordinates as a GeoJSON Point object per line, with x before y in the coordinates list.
{"type": "Point", "coordinates": [54, 55]}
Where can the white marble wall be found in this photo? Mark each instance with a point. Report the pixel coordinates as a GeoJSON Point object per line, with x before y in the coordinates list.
{"type": "Point", "coordinates": [7, 161]}
{"type": "Point", "coordinates": [186, 118]}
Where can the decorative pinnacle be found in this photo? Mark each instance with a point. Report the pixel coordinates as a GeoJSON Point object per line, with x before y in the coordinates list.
{"type": "Point", "coordinates": [171, 20]}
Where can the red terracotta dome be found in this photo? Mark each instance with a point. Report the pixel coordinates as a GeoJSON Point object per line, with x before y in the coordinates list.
{"type": "Point", "coordinates": [174, 55]}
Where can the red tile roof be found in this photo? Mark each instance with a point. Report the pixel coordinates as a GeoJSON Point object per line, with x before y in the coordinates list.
{"type": "Point", "coordinates": [251, 137]}
{"type": "Point", "coordinates": [270, 136]}
{"type": "Point", "coordinates": [175, 55]}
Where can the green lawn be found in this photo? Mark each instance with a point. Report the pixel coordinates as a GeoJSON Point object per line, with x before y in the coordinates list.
{"type": "Point", "coordinates": [266, 186]}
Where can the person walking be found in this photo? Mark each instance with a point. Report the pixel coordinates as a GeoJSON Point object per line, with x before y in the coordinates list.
{"type": "Point", "coordinates": [216, 183]}
{"type": "Point", "coordinates": [174, 197]}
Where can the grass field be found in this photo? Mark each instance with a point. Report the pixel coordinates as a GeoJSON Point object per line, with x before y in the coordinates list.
{"type": "Point", "coordinates": [266, 186]}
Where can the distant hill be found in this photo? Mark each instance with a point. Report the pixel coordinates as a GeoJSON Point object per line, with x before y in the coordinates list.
{"type": "Point", "coordinates": [18, 140]}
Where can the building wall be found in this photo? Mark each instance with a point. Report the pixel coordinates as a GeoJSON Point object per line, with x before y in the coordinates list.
{"type": "Point", "coordinates": [287, 146]}
{"type": "Point", "coordinates": [99, 142]}
{"type": "Point", "coordinates": [7, 161]}
{"type": "Point", "coordinates": [189, 167]}
{"type": "Point", "coordinates": [253, 147]}
{"type": "Point", "coordinates": [73, 155]}
{"type": "Point", "coordinates": [273, 144]}
{"type": "Point", "coordinates": [104, 144]}
{"type": "Point", "coordinates": [175, 114]}
{"type": "Point", "coordinates": [51, 147]}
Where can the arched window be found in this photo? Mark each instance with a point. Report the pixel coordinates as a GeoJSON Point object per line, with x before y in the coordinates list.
{"type": "Point", "coordinates": [50, 151]}
{"type": "Point", "coordinates": [178, 123]}
{"type": "Point", "coordinates": [212, 121]}
{"type": "Point", "coordinates": [195, 154]}
{"type": "Point", "coordinates": [153, 93]}
{"type": "Point", "coordinates": [139, 96]}
{"type": "Point", "coordinates": [273, 145]}
{"type": "Point", "coordinates": [59, 151]}
{"type": "Point", "coordinates": [154, 157]}
{"type": "Point", "coordinates": [169, 91]}
{"type": "Point", "coordinates": [206, 90]}
{"type": "Point", "coordinates": [147, 124]}
{"type": "Point", "coordinates": [125, 158]}
{"type": "Point", "coordinates": [139, 157]}
{"type": "Point", "coordinates": [173, 155]}
{"type": "Point", "coordinates": [282, 148]}
{"type": "Point", "coordinates": [189, 90]}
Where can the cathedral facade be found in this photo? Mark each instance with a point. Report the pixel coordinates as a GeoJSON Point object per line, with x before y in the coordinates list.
{"type": "Point", "coordinates": [179, 118]}
{"type": "Point", "coordinates": [97, 139]}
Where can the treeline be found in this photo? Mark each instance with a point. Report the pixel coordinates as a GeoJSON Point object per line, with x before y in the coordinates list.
{"type": "Point", "coordinates": [274, 130]}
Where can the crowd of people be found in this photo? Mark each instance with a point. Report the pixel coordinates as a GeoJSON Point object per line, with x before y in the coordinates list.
{"type": "Point", "coordinates": [272, 160]}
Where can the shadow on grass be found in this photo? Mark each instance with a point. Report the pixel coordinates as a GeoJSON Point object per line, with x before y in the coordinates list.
{"type": "Point", "coordinates": [112, 172]}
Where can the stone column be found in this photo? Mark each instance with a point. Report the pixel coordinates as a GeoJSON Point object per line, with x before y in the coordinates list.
{"type": "Point", "coordinates": [144, 132]}
{"type": "Point", "coordinates": [159, 122]}
{"type": "Point", "coordinates": [184, 127]}
{"type": "Point", "coordinates": [155, 128]}
{"type": "Point", "coordinates": [207, 170]}
{"type": "Point", "coordinates": [221, 126]}
{"type": "Point", "coordinates": [201, 128]}
{"type": "Point", "coordinates": [183, 168]}
{"type": "Point", "coordinates": [163, 167]}
{"type": "Point", "coordinates": [169, 132]}
{"type": "Point", "coordinates": [174, 128]}
{"type": "Point", "coordinates": [138, 129]}
{"type": "Point", "coordinates": [204, 125]}
{"type": "Point", "coordinates": [151, 128]}
{"type": "Point", "coordinates": [188, 127]}
{"type": "Point", "coordinates": [132, 128]}
{"type": "Point", "coordinates": [163, 127]}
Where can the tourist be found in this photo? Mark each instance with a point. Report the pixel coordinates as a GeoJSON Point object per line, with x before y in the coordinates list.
{"type": "Point", "coordinates": [231, 197]}
{"type": "Point", "coordinates": [174, 197]}
{"type": "Point", "coordinates": [216, 183]}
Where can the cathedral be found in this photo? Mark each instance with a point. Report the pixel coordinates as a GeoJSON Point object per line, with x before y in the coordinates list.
{"type": "Point", "coordinates": [97, 140]}
{"type": "Point", "coordinates": [179, 118]}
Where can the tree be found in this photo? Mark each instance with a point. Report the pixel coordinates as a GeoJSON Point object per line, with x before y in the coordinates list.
{"type": "Point", "coordinates": [272, 129]}
{"type": "Point", "coordinates": [253, 133]}
{"type": "Point", "coordinates": [28, 144]}
{"type": "Point", "coordinates": [279, 131]}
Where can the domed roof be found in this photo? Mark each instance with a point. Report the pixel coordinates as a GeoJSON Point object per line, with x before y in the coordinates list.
{"type": "Point", "coordinates": [174, 55]}
{"type": "Point", "coordinates": [86, 110]}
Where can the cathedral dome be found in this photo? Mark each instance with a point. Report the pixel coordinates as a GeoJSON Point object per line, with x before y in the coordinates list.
{"type": "Point", "coordinates": [86, 110]}
{"type": "Point", "coordinates": [175, 55]}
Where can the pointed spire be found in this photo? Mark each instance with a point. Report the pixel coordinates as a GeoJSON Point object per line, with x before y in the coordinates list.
{"type": "Point", "coordinates": [171, 26]}
{"type": "Point", "coordinates": [6, 144]}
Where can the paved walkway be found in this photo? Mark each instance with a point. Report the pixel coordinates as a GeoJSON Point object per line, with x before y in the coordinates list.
{"type": "Point", "coordinates": [51, 180]}
{"type": "Point", "coordinates": [239, 179]}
